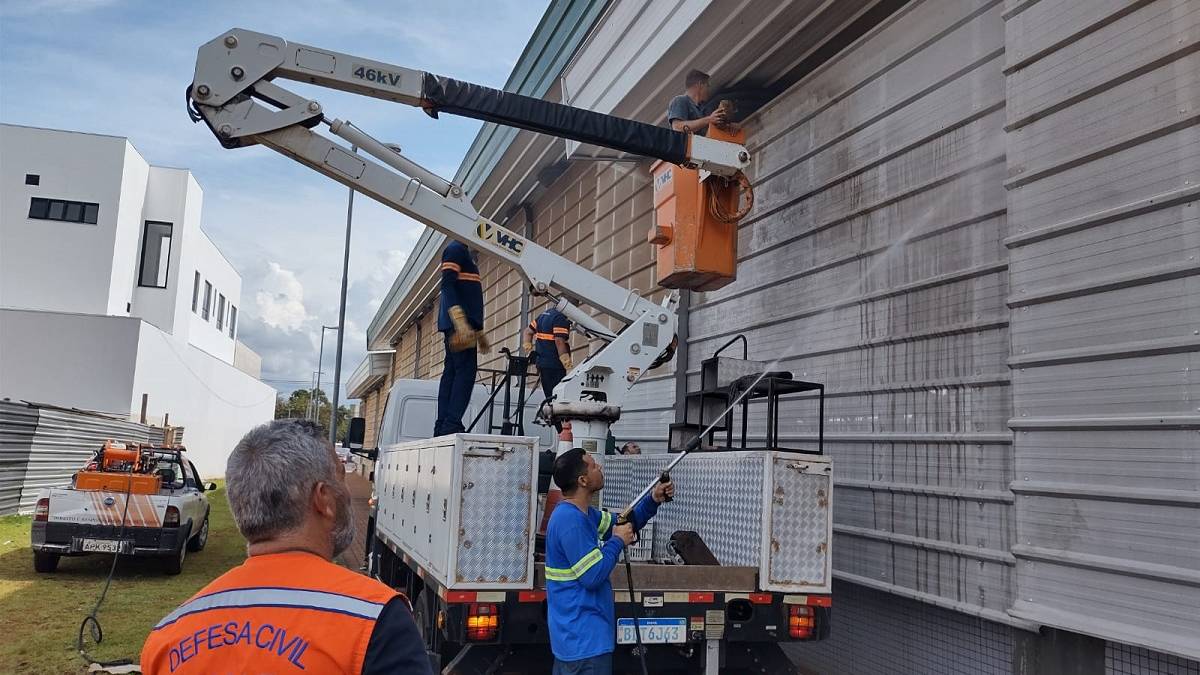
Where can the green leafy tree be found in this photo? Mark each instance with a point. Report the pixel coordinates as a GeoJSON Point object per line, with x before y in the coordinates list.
{"type": "Point", "coordinates": [297, 406]}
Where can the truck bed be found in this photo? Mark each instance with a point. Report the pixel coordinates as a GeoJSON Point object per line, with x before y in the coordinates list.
{"type": "Point", "coordinates": [655, 577]}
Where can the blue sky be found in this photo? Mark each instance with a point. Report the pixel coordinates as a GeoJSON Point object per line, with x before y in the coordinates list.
{"type": "Point", "coordinates": [113, 67]}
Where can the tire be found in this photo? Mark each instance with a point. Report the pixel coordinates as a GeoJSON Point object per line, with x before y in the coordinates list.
{"type": "Point", "coordinates": [174, 564]}
{"type": "Point", "coordinates": [197, 543]}
{"type": "Point", "coordinates": [45, 563]}
{"type": "Point", "coordinates": [424, 614]}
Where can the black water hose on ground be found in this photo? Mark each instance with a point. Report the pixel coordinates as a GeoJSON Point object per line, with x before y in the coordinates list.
{"type": "Point", "coordinates": [91, 622]}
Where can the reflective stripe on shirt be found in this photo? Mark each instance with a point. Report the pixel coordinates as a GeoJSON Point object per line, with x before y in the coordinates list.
{"type": "Point", "coordinates": [605, 520]}
{"type": "Point", "coordinates": [544, 336]}
{"type": "Point", "coordinates": [276, 597]}
{"type": "Point", "coordinates": [577, 570]}
{"type": "Point", "coordinates": [467, 276]}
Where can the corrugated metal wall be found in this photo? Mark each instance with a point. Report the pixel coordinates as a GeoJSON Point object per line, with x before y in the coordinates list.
{"type": "Point", "coordinates": [873, 262]}
{"type": "Point", "coordinates": [1103, 178]}
{"type": "Point", "coordinates": [41, 447]}
{"type": "Point", "coordinates": [18, 422]}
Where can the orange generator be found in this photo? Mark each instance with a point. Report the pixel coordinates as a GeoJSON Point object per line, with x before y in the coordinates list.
{"type": "Point", "coordinates": [118, 468]}
{"type": "Point", "coordinates": [696, 222]}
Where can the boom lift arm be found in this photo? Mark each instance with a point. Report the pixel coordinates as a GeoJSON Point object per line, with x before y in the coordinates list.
{"type": "Point", "coordinates": [234, 93]}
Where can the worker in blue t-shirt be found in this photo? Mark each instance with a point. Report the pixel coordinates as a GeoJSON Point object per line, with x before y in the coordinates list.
{"type": "Point", "coordinates": [460, 319]}
{"type": "Point", "coordinates": [582, 548]}
{"type": "Point", "coordinates": [547, 338]}
{"type": "Point", "coordinates": [684, 112]}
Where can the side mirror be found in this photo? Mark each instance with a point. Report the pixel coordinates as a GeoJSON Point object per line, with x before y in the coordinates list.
{"type": "Point", "coordinates": [356, 433]}
{"type": "Point", "coordinates": [210, 486]}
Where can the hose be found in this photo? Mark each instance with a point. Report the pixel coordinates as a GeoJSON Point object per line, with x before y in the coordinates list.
{"type": "Point", "coordinates": [637, 613]}
{"type": "Point", "coordinates": [91, 622]}
{"type": "Point", "coordinates": [744, 187]}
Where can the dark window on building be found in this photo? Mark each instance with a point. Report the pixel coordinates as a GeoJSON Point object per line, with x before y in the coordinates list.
{"type": "Point", "coordinates": [156, 254]}
{"type": "Point", "coordinates": [220, 312]}
{"type": "Point", "coordinates": [207, 300]}
{"type": "Point", "coordinates": [61, 209]}
{"type": "Point", "coordinates": [38, 208]}
{"type": "Point", "coordinates": [232, 319]}
{"type": "Point", "coordinates": [33, 179]}
{"type": "Point", "coordinates": [196, 293]}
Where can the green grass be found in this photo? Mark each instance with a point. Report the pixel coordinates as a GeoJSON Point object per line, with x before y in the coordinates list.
{"type": "Point", "coordinates": [40, 613]}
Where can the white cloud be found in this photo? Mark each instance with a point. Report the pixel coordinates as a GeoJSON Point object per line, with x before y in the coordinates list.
{"type": "Point", "coordinates": [280, 299]}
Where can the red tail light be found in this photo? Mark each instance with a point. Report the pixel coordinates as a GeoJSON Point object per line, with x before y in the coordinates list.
{"type": "Point", "coordinates": [483, 623]}
{"type": "Point", "coordinates": [800, 621]}
{"type": "Point", "coordinates": [41, 512]}
{"type": "Point", "coordinates": [171, 519]}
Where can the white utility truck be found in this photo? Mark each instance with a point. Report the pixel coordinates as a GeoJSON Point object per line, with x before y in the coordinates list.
{"type": "Point", "coordinates": [458, 516]}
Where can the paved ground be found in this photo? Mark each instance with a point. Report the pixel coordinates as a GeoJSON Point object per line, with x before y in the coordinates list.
{"type": "Point", "coordinates": [360, 492]}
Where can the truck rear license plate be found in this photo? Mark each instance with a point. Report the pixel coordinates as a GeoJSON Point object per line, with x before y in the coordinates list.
{"type": "Point", "coordinates": [654, 631]}
{"type": "Point", "coordinates": [101, 545]}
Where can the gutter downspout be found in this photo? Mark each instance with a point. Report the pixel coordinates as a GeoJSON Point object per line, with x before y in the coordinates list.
{"type": "Point", "coordinates": [681, 355]}
{"type": "Point", "coordinates": [525, 299]}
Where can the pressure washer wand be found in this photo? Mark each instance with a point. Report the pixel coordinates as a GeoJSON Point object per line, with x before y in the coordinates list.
{"type": "Point", "coordinates": [690, 446]}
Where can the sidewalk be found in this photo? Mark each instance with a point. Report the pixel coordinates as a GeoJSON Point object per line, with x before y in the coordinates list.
{"type": "Point", "coordinates": [360, 493]}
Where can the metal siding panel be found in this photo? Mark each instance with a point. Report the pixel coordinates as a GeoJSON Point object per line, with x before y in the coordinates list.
{"type": "Point", "coordinates": [874, 262]}
{"type": "Point", "coordinates": [1103, 151]}
{"type": "Point", "coordinates": [1157, 32]}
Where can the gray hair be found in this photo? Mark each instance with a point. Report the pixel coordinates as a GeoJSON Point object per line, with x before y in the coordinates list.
{"type": "Point", "coordinates": [271, 473]}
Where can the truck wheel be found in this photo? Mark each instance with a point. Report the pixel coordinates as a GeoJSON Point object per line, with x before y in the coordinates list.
{"type": "Point", "coordinates": [45, 562]}
{"type": "Point", "coordinates": [196, 543]}
{"type": "Point", "coordinates": [174, 564]}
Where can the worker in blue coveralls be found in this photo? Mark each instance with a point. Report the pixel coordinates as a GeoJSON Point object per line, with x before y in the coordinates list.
{"type": "Point", "coordinates": [460, 320]}
{"type": "Point", "coordinates": [547, 338]}
{"type": "Point", "coordinates": [582, 548]}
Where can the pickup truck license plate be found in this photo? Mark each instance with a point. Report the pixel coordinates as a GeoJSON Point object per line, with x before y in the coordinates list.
{"type": "Point", "coordinates": [101, 545]}
{"type": "Point", "coordinates": [654, 631]}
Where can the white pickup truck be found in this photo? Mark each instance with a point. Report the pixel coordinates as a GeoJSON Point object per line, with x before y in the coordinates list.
{"type": "Point", "coordinates": [81, 519]}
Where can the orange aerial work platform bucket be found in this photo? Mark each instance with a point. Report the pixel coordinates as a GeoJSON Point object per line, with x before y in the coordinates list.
{"type": "Point", "coordinates": [696, 223]}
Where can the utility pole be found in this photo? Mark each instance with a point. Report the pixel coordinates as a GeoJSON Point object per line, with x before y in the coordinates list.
{"type": "Point", "coordinates": [320, 359]}
{"type": "Point", "coordinates": [337, 363]}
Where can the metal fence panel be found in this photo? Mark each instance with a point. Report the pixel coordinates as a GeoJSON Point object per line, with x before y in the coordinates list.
{"type": "Point", "coordinates": [18, 422]}
{"type": "Point", "coordinates": [42, 446]}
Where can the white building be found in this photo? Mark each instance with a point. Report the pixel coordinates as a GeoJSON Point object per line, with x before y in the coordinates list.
{"type": "Point", "coordinates": [110, 291]}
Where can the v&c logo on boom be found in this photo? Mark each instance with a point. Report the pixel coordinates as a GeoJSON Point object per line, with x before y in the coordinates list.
{"type": "Point", "coordinates": [499, 238]}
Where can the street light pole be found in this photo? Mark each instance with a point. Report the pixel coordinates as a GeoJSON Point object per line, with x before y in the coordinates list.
{"type": "Point", "coordinates": [320, 358]}
{"type": "Point", "coordinates": [337, 364]}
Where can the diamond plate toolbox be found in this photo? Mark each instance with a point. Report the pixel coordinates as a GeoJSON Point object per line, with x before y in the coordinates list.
{"type": "Point", "coordinates": [800, 525]}
{"type": "Point", "coordinates": [769, 510]}
{"type": "Point", "coordinates": [462, 507]}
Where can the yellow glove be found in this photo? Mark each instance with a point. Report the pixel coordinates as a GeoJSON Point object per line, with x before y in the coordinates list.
{"type": "Point", "coordinates": [566, 360]}
{"type": "Point", "coordinates": [459, 318]}
{"type": "Point", "coordinates": [464, 337]}
{"type": "Point", "coordinates": [527, 347]}
{"type": "Point", "coordinates": [481, 343]}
